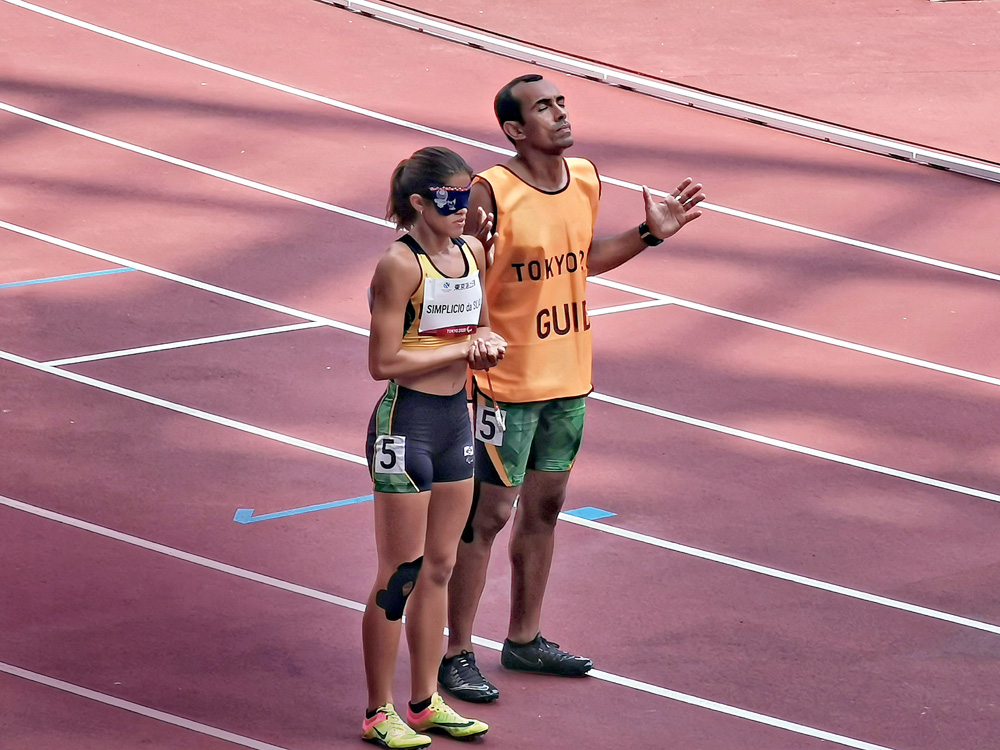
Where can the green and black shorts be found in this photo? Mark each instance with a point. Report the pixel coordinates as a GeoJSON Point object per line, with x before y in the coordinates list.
{"type": "Point", "coordinates": [540, 435]}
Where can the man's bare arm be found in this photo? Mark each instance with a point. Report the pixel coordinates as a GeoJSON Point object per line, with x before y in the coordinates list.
{"type": "Point", "coordinates": [663, 219]}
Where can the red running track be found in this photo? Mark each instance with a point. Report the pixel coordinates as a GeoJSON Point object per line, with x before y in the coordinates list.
{"type": "Point", "coordinates": [282, 667]}
{"type": "Point", "coordinates": [911, 69]}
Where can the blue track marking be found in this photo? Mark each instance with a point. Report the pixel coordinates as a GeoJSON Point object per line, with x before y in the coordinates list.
{"type": "Point", "coordinates": [70, 277]}
{"type": "Point", "coordinates": [245, 515]}
{"type": "Point", "coordinates": [589, 513]}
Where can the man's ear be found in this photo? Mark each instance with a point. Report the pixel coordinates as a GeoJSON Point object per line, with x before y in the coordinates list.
{"type": "Point", "coordinates": [513, 130]}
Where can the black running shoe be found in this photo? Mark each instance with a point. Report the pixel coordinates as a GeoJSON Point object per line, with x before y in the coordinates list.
{"type": "Point", "coordinates": [460, 676]}
{"type": "Point", "coordinates": [543, 656]}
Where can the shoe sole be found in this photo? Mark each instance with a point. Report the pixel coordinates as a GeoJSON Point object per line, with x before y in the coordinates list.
{"type": "Point", "coordinates": [474, 698]}
{"type": "Point", "coordinates": [513, 667]}
{"type": "Point", "coordinates": [381, 743]}
{"type": "Point", "coordinates": [449, 735]}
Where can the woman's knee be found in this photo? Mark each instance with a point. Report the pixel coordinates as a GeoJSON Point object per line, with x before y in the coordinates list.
{"type": "Point", "coordinates": [437, 568]}
{"type": "Point", "coordinates": [397, 588]}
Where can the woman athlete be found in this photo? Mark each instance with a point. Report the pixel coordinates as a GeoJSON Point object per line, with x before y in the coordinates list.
{"type": "Point", "coordinates": [429, 325]}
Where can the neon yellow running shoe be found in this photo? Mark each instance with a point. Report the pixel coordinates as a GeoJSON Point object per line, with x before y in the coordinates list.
{"type": "Point", "coordinates": [440, 717]}
{"type": "Point", "coordinates": [387, 729]}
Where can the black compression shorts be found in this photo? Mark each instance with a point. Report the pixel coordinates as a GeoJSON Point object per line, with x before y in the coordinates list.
{"type": "Point", "coordinates": [416, 439]}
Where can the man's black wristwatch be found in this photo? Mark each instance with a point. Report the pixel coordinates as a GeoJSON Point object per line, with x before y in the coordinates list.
{"type": "Point", "coordinates": [647, 236]}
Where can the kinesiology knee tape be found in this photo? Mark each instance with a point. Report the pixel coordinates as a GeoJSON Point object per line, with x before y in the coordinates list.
{"type": "Point", "coordinates": [393, 597]}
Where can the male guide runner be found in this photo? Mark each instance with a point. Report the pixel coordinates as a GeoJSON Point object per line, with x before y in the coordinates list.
{"type": "Point", "coordinates": [543, 206]}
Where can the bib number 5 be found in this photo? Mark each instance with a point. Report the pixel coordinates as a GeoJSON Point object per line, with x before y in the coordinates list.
{"type": "Point", "coordinates": [488, 429]}
{"type": "Point", "coordinates": [390, 454]}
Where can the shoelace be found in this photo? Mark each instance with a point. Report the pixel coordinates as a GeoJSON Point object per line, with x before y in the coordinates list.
{"type": "Point", "coordinates": [554, 650]}
{"type": "Point", "coordinates": [466, 668]}
{"type": "Point", "coordinates": [444, 711]}
{"type": "Point", "coordinates": [396, 724]}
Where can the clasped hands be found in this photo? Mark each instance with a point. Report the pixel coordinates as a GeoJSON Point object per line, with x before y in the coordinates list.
{"type": "Point", "coordinates": [486, 352]}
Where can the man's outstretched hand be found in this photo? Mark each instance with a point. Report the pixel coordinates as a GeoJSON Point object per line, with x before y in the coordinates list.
{"type": "Point", "coordinates": [665, 218]}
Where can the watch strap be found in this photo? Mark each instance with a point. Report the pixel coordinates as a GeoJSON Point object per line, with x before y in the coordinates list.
{"type": "Point", "coordinates": [647, 236]}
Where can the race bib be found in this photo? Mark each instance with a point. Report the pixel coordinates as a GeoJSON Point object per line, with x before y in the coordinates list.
{"type": "Point", "coordinates": [451, 307]}
{"type": "Point", "coordinates": [390, 454]}
{"type": "Point", "coordinates": [489, 429]}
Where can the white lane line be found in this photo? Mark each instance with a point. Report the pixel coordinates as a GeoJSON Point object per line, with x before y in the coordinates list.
{"type": "Point", "coordinates": [181, 344]}
{"type": "Point", "coordinates": [723, 708]}
{"type": "Point", "coordinates": [883, 249]}
{"type": "Point", "coordinates": [180, 408]}
{"type": "Point", "coordinates": [800, 332]}
{"type": "Point", "coordinates": [227, 337]}
{"type": "Point", "coordinates": [474, 143]}
{"type": "Point", "coordinates": [794, 447]}
{"type": "Point", "coordinates": [83, 250]}
{"type": "Point", "coordinates": [494, 645]}
{"type": "Point", "coordinates": [162, 549]}
{"type": "Point", "coordinates": [608, 529]}
{"type": "Point", "coordinates": [142, 151]}
{"type": "Point", "coordinates": [302, 93]}
{"type": "Point", "coordinates": [135, 708]}
{"type": "Point", "coordinates": [815, 583]}
{"type": "Point", "coordinates": [630, 306]}
{"type": "Point", "coordinates": [605, 282]}
{"type": "Point", "coordinates": [599, 396]}
{"type": "Point", "coordinates": [663, 298]}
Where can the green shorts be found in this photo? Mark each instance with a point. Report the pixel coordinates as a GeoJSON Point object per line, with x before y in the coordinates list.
{"type": "Point", "coordinates": [541, 435]}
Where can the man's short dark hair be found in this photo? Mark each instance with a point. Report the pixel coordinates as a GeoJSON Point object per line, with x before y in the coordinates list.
{"type": "Point", "coordinates": [506, 107]}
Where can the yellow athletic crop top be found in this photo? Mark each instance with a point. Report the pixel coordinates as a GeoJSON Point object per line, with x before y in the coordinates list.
{"type": "Point", "coordinates": [536, 286]}
{"type": "Point", "coordinates": [443, 309]}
